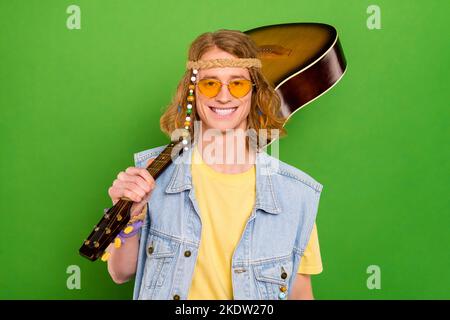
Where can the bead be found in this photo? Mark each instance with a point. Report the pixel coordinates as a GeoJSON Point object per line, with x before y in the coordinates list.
{"type": "Point", "coordinates": [188, 118]}
{"type": "Point", "coordinates": [187, 253]}
{"type": "Point", "coordinates": [186, 148]}
{"type": "Point", "coordinates": [96, 244]}
{"type": "Point", "coordinates": [194, 71]}
{"type": "Point", "coordinates": [106, 256]}
{"type": "Point", "coordinates": [190, 98]}
{"type": "Point", "coordinates": [119, 217]}
{"type": "Point", "coordinates": [184, 141]}
{"type": "Point", "coordinates": [282, 296]}
{"type": "Point", "coordinates": [186, 127]}
{"type": "Point", "coordinates": [284, 275]}
{"type": "Point", "coordinates": [191, 91]}
{"type": "Point", "coordinates": [150, 250]}
{"type": "Point", "coordinates": [189, 111]}
{"type": "Point", "coordinates": [283, 289]}
{"type": "Point", "coordinates": [128, 229]}
{"type": "Point", "coordinates": [189, 106]}
{"type": "Point", "coordinates": [191, 87]}
{"type": "Point", "coordinates": [117, 242]}
{"type": "Point", "coordinates": [193, 79]}
{"type": "Point", "coordinates": [187, 124]}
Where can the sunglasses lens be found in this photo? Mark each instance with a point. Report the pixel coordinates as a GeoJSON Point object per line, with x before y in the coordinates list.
{"type": "Point", "coordinates": [209, 87]}
{"type": "Point", "coordinates": [240, 88]}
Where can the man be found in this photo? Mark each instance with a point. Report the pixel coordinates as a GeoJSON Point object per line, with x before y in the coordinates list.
{"type": "Point", "coordinates": [226, 223]}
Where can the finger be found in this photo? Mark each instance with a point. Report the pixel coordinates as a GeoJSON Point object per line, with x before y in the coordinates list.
{"type": "Point", "coordinates": [115, 192]}
{"type": "Point", "coordinates": [132, 195]}
{"type": "Point", "coordinates": [149, 162]}
{"type": "Point", "coordinates": [133, 187]}
{"type": "Point", "coordinates": [132, 181]}
{"type": "Point", "coordinates": [118, 190]}
{"type": "Point", "coordinates": [142, 173]}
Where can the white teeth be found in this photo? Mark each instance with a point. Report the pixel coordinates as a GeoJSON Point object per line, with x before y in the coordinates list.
{"type": "Point", "coordinates": [222, 111]}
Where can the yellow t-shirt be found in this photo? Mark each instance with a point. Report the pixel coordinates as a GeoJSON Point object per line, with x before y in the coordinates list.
{"type": "Point", "coordinates": [225, 203]}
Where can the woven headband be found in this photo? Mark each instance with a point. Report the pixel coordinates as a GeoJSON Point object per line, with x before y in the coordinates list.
{"type": "Point", "coordinates": [220, 63]}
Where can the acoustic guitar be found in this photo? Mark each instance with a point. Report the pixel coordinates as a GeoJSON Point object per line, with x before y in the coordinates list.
{"type": "Point", "coordinates": [301, 60]}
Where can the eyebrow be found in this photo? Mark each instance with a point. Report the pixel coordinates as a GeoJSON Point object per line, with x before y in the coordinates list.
{"type": "Point", "coordinates": [230, 78]}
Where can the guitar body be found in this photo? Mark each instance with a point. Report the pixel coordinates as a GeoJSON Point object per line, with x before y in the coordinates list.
{"type": "Point", "coordinates": [301, 60]}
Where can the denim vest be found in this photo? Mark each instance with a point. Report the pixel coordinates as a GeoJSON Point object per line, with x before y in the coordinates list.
{"type": "Point", "coordinates": [268, 254]}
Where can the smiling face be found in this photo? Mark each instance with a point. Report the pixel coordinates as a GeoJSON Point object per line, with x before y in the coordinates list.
{"type": "Point", "coordinates": [224, 111]}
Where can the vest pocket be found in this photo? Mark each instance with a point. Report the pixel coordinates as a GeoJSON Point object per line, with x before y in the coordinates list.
{"type": "Point", "coordinates": [272, 278]}
{"type": "Point", "coordinates": [159, 263]}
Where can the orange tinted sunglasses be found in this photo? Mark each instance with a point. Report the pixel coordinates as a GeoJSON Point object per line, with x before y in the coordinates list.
{"type": "Point", "coordinates": [238, 88]}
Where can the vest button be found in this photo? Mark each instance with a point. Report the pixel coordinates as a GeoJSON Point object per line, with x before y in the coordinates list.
{"type": "Point", "coordinates": [284, 275]}
{"type": "Point", "coordinates": [176, 297]}
{"type": "Point", "coordinates": [150, 250]}
{"type": "Point", "coordinates": [187, 253]}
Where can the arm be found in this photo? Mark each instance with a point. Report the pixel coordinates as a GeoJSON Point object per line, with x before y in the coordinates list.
{"type": "Point", "coordinates": [302, 289]}
{"type": "Point", "coordinates": [122, 262]}
{"type": "Point", "coordinates": [136, 184]}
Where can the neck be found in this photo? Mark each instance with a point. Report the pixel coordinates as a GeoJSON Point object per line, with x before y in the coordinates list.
{"type": "Point", "coordinates": [226, 151]}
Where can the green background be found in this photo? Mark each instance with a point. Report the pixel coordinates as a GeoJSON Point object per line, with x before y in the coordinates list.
{"type": "Point", "coordinates": [77, 104]}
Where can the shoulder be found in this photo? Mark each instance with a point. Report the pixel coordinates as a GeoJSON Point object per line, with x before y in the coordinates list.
{"type": "Point", "coordinates": [288, 173]}
{"type": "Point", "coordinates": [141, 157]}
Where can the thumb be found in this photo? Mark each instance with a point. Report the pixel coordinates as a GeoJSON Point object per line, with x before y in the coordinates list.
{"type": "Point", "coordinates": [149, 162]}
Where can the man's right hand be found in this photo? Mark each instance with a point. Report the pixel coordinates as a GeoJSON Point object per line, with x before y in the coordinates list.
{"type": "Point", "coordinates": [134, 183]}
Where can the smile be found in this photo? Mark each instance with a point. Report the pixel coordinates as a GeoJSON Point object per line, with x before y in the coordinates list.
{"type": "Point", "coordinates": [223, 111]}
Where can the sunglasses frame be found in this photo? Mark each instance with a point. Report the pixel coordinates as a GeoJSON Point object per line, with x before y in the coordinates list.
{"type": "Point", "coordinates": [227, 84]}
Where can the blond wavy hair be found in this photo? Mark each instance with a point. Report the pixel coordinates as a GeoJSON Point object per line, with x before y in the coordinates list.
{"type": "Point", "coordinates": [264, 96]}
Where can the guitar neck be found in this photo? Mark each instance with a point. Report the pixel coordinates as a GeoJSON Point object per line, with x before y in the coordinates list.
{"type": "Point", "coordinates": [164, 159]}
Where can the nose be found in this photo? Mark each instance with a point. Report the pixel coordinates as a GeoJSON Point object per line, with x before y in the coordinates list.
{"type": "Point", "coordinates": [224, 96]}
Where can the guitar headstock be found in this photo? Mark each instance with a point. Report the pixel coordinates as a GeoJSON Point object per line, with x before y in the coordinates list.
{"type": "Point", "coordinates": [106, 230]}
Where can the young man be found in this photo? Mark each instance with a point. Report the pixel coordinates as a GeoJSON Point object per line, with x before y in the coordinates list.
{"type": "Point", "coordinates": [230, 221]}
